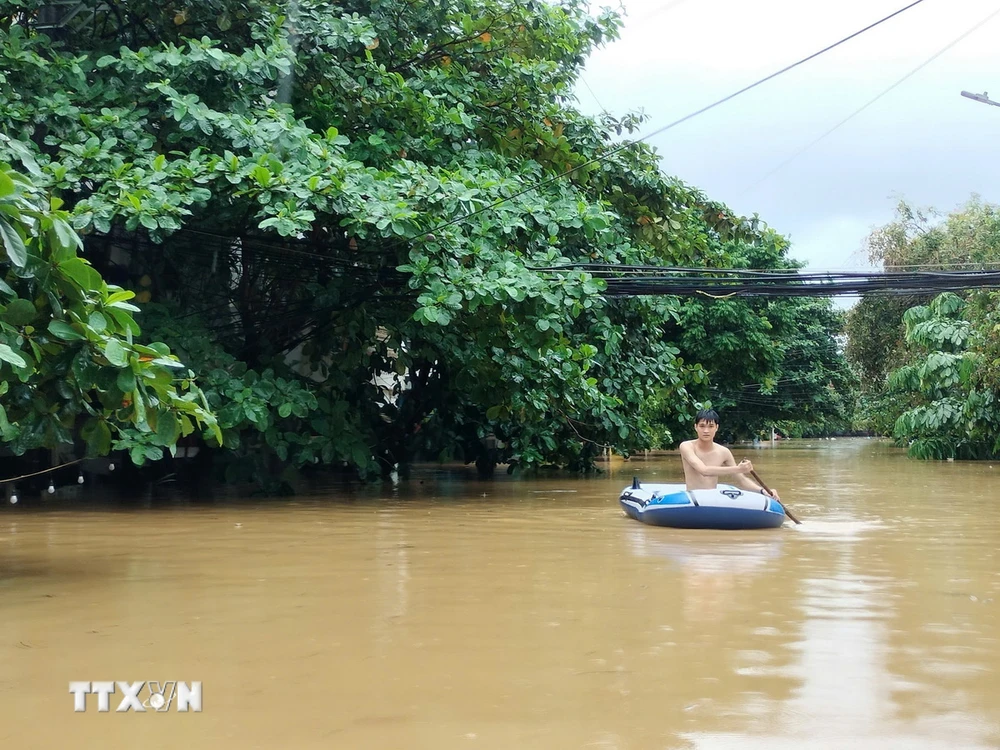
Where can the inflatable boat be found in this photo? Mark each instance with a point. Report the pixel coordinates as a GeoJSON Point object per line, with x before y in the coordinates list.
{"type": "Point", "coordinates": [725, 507]}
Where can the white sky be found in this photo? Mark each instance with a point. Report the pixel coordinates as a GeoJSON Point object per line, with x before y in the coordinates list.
{"type": "Point", "coordinates": [922, 141]}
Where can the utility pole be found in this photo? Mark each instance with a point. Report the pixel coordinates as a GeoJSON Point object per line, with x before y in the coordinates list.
{"type": "Point", "coordinates": [983, 97]}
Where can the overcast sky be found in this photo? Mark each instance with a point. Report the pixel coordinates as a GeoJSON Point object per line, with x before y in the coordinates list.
{"type": "Point", "coordinates": [922, 141]}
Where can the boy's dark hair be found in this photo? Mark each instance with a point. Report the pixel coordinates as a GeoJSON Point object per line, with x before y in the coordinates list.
{"type": "Point", "coordinates": [708, 415]}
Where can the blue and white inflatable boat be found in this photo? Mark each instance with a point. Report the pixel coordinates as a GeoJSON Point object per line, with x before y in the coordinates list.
{"type": "Point", "coordinates": [726, 507]}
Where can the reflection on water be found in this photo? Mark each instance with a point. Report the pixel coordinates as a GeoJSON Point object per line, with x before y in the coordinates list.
{"type": "Point", "coordinates": [529, 613]}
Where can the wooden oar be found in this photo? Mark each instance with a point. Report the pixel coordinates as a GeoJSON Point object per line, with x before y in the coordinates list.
{"type": "Point", "coordinates": [768, 489]}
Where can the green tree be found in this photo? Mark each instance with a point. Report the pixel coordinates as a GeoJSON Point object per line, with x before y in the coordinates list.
{"type": "Point", "coordinates": [767, 362]}
{"type": "Point", "coordinates": [923, 361]}
{"type": "Point", "coordinates": [341, 210]}
{"type": "Point", "coordinates": [949, 415]}
{"type": "Point", "coordinates": [875, 337]}
{"type": "Point", "coordinates": [71, 365]}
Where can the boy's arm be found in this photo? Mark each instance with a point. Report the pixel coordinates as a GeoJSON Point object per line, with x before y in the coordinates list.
{"type": "Point", "coordinates": [748, 484]}
{"type": "Point", "coordinates": [728, 465]}
{"type": "Point", "coordinates": [744, 481]}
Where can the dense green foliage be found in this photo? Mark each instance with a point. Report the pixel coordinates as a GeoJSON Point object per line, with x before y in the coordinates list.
{"type": "Point", "coordinates": [797, 382]}
{"type": "Point", "coordinates": [69, 365]}
{"type": "Point", "coordinates": [928, 366]}
{"type": "Point", "coordinates": [950, 415]}
{"type": "Point", "coordinates": [333, 212]}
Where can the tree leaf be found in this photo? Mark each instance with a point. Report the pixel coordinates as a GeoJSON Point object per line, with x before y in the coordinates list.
{"type": "Point", "coordinates": [20, 312]}
{"type": "Point", "coordinates": [361, 455]}
{"type": "Point", "coordinates": [6, 185]}
{"type": "Point", "coordinates": [13, 244]}
{"type": "Point", "coordinates": [63, 330]}
{"type": "Point", "coordinates": [126, 381]}
{"type": "Point", "coordinates": [116, 353]}
{"type": "Point", "coordinates": [98, 438]}
{"type": "Point", "coordinates": [97, 322]}
{"type": "Point", "coordinates": [9, 355]}
{"type": "Point", "coordinates": [119, 296]}
{"type": "Point", "coordinates": [167, 428]}
{"type": "Point", "coordinates": [82, 273]}
{"type": "Point", "coordinates": [67, 238]}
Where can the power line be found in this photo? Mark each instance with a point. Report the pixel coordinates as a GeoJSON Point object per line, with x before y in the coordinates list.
{"type": "Point", "coordinates": [861, 109]}
{"type": "Point", "coordinates": [663, 129]}
{"type": "Point", "coordinates": [721, 283]}
{"type": "Point", "coordinates": [584, 82]}
{"type": "Point", "coordinates": [980, 265]}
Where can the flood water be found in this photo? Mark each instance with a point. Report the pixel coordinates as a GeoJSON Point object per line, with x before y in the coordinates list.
{"type": "Point", "coordinates": [443, 613]}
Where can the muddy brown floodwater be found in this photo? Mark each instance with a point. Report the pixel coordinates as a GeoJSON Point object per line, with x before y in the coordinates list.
{"type": "Point", "coordinates": [444, 613]}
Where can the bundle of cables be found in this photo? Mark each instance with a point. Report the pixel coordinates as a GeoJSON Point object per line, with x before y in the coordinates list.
{"type": "Point", "coordinates": [634, 281]}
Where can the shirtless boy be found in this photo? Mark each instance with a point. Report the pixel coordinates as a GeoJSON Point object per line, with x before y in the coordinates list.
{"type": "Point", "coordinates": [705, 460]}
